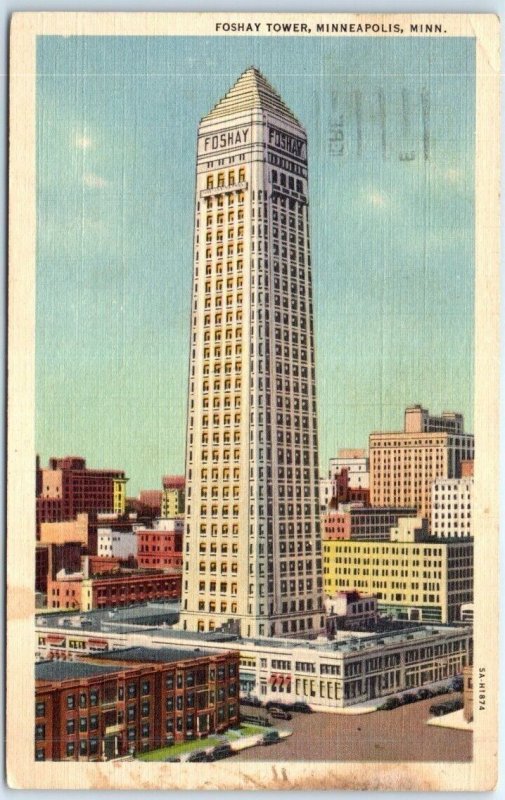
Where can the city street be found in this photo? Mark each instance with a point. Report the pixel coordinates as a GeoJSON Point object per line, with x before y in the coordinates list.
{"type": "Point", "coordinates": [398, 735]}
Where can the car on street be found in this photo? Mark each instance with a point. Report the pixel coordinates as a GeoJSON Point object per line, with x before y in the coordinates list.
{"type": "Point", "coordinates": [220, 751]}
{"type": "Point", "coordinates": [279, 713]}
{"type": "Point", "coordinates": [270, 737]}
{"type": "Point", "coordinates": [197, 755]}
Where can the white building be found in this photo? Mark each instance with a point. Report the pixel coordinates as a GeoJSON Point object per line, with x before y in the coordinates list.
{"type": "Point", "coordinates": [327, 490]}
{"type": "Point", "coordinates": [116, 544]}
{"type": "Point", "coordinates": [451, 509]}
{"type": "Point", "coordinates": [357, 464]}
{"type": "Point", "coordinates": [327, 675]}
{"type": "Point", "coordinates": [252, 546]}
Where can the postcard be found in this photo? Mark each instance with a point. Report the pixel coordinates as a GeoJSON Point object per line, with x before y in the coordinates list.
{"type": "Point", "coordinates": [253, 401]}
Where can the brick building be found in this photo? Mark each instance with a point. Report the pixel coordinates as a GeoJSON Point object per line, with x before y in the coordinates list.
{"type": "Point", "coordinates": [133, 700]}
{"type": "Point", "coordinates": [51, 558]}
{"type": "Point", "coordinates": [117, 589]}
{"type": "Point", "coordinates": [67, 488]}
{"type": "Point", "coordinates": [161, 547]}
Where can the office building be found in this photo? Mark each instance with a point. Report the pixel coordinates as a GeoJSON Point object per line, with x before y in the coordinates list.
{"type": "Point", "coordinates": [404, 465]}
{"type": "Point", "coordinates": [252, 543]}
{"type": "Point", "coordinates": [414, 576]}
{"type": "Point", "coordinates": [173, 496]}
{"type": "Point", "coordinates": [451, 507]}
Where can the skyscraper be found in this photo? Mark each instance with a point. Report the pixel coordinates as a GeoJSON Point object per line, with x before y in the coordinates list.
{"type": "Point", "coordinates": [252, 547]}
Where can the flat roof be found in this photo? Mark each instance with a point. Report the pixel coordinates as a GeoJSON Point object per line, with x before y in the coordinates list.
{"type": "Point", "coordinates": [157, 654]}
{"type": "Point", "coordinates": [66, 670]}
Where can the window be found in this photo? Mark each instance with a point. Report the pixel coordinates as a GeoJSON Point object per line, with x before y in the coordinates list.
{"type": "Point", "coordinates": [169, 682]}
{"type": "Point", "coordinates": [93, 723]}
{"type": "Point", "coordinates": [83, 747]}
{"type": "Point", "coordinates": [145, 730]}
{"type": "Point", "coordinates": [40, 732]}
{"type": "Point", "coordinates": [93, 746]}
{"type": "Point", "coordinates": [83, 724]}
{"type": "Point", "coordinates": [132, 690]}
{"type": "Point", "coordinates": [93, 697]}
{"type": "Point", "coordinates": [145, 687]}
{"type": "Point", "coordinates": [70, 726]}
{"type": "Point", "coordinates": [70, 749]}
{"type": "Point", "coordinates": [40, 754]}
{"type": "Point", "coordinates": [71, 701]}
{"type": "Point", "coordinates": [40, 709]}
{"type": "Point", "coordinates": [145, 708]}
{"type": "Point", "coordinates": [83, 700]}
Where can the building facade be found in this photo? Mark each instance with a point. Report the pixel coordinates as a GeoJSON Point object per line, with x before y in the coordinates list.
{"type": "Point", "coordinates": [351, 669]}
{"type": "Point", "coordinates": [79, 489]}
{"type": "Point", "coordinates": [134, 700]}
{"type": "Point", "coordinates": [404, 465]}
{"type": "Point", "coordinates": [252, 542]}
{"type": "Point", "coordinates": [359, 522]}
{"type": "Point", "coordinates": [161, 547]}
{"type": "Point", "coordinates": [451, 507]}
{"type": "Point", "coordinates": [173, 496]}
{"type": "Point", "coordinates": [413, 576]}
{"type": "Point", "coordinates": [357, 464]}
{"type": "Point", "coordinates": [116, 543]}
{"type": "Point", "coordinates": [75, 592]}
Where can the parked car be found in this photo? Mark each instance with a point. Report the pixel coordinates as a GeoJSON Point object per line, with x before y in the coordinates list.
{"type": "Point", "coordinates": [279, 713]}
{"type": "Point", "coordinates": [251, 701]}
{"type": "Point", "coordinates": [270, 737]}
{"type": "Point", "coordinates": [197, 755]}
{"type": "Point", "coordinates": [424, 693]}
{"type": "Point", "coordinates": [277, 704]}
{"type": "Point", "coordinates": [410, 697]}
{"type": "Point", "coordinates": [301, 707]}
{"type": "Point", "coordinates": [457, 683]}
{"type": "Point", "coordinates": [172, 758]}
{"type": "Point", "coordinates": [446, 708]}
{"type": "Point", "coordinates": [389, 704]}
{"type": "Point", "coordinates": [220, 751]}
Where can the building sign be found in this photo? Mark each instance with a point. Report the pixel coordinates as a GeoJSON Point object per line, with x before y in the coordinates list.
{"type": "Point", "coordinates": [287, 143]}
{"type": "Point", "coordinates": [230, 138]}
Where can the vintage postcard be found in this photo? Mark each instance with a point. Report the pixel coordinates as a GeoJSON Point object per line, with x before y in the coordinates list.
{"type": "Point", "coordinates": [253, 401]}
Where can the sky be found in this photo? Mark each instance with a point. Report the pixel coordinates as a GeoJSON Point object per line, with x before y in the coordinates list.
{"type": "Point", "coordinates": [390, 125]}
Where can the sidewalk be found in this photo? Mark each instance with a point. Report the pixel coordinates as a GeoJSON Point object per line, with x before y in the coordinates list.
{"type": "Point", "coordinates": [455, 720]}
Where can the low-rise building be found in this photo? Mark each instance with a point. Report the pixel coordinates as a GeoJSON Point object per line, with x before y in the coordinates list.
{"type": "Point", "coordinates": [350, 611]}
{"type": "Point", "coordinates": [52, 558]}
{"type": "Point", "coordinates": [134, 700]}
{"type": "Point", "coordinates": [120, 588]}
{"type": "Point", "coordinates": [414, 576]}
{"type": "Point", "coordinates": [116, 543]}
{"type": "Point", "coordinates": [161, 546]}
{"type": "Point", "coordinates": [352, 668]}
{"type": "Point", "coordinates": [126, 588]}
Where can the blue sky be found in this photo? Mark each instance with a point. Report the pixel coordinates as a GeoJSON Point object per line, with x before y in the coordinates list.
{"type": "Point", "coordinates": [392, 221]}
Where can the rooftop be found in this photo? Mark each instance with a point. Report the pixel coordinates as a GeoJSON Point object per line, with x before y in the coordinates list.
{"type": "Point", "coordinates": [68, 670]}
{"type": "Point", "coordinates": [251, 91]}
{"type": "Point", "coordinates": [163, 655]}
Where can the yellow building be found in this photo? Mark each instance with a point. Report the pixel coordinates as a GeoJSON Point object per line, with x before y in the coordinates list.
{"type": "Point", "coordinates": [403, 465]}
{"type": "Point", "coordinates": [172, 503]}
{"type": "Point", "coordinates": [120, 495]}
{"type": "Point", "coordinates": [413, 576]}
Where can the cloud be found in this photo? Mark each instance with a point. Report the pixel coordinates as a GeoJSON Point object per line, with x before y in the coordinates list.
{"type": "Point", "coordinates": [83, 142]}
{"type": "Point", "coordinates": [377, 199]}
{"type": "Point", "coordinates": [94, 181]}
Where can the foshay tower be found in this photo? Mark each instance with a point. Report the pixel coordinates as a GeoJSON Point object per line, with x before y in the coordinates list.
{"type": "Point", "coordinates": [252, 542]}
